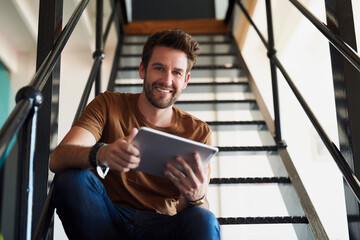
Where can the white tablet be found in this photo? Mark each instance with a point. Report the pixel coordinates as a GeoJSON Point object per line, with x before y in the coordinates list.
{"type": "Point", "coordinates": [157, 148]}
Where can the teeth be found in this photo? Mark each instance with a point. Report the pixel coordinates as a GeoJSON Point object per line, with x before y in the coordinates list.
{"type": "Point", "coordinates": [163, 90]}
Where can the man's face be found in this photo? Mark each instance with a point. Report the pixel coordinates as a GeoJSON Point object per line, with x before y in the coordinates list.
{"type": "Point", "coordinates": [165, 76]}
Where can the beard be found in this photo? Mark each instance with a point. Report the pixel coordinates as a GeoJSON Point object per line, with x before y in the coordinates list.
{"type": "Point", "coordinates": [159, 101]}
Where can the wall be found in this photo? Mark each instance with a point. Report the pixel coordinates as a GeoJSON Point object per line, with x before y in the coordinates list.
{"type": "Point", "coordinates": [305, 54]}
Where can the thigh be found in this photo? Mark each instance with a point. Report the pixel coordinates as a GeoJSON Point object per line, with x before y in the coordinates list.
{"type": "Point", "coordinates": [151, 226]}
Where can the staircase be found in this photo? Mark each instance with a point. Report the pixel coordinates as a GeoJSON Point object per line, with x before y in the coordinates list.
{"type": "Point", "coordinates": [254, 186]}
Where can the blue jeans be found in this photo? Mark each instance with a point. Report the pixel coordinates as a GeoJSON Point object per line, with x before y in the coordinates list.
{"type": "Point", "coordinates": [87, 213]}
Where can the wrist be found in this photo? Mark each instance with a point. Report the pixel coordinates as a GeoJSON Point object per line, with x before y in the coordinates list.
{"type": "Point", "coordinates": [196, 202]}
{"type": "Point", "coordinates": [100, 157]}
{"type": "Point", "coordinates": [101, 168]}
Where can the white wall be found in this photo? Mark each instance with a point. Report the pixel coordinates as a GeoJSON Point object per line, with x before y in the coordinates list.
{"type": "Point", "coordinates": [305, 54]}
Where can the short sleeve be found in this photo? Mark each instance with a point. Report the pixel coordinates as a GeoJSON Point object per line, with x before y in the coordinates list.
{"type": "Point", "coordinates": [94, 115]}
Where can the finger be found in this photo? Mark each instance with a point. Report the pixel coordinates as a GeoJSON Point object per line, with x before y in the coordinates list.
{"type": "Point", "coordinates": [168, 173]}
{"type": "Point", "coordinates": [199, 169]}
{"type": "Point", "coordinates": [132, 134]}
{"type": "Point", "coordinates": [124, 164]}
{"type": "Point", "coordinates": [129, 148]}
{"type": "Point", "coordinates": [121, 146]}
{"type": "Point", "coordinates": [126, 152]}
{"type": "Point", "coordinates": [189, 173]}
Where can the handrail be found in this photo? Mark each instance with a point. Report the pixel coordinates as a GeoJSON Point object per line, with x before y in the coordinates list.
{"type": "Point", "coordinates": [48, 210]}
{"type": "Point", "coordinates": [334, 39]}
{"type": "Point", "coordinates": [28, 99]}
{"type": "Point", "coordinates": [344, 167]}
{"type": "Point", "coordinates": [108, 25]}
{"type": "Point", "coordinates": [253, 24]}
{"type": "Point", "coordinates": [33, 90]}
{"type": "Point", "coordinates": [85, 96]}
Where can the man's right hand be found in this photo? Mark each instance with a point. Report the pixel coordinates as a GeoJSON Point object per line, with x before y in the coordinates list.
{"type": "Point", "coordinates": [121, 155]}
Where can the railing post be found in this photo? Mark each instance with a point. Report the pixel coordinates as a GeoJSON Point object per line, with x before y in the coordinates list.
{"type": "Point", "coordinates": [271, 53]}
{"type": "Point", "coordinates": [99, 41]}
{"type": "Point", "coordinates": [35, 143]}
{"type": "Point", "coordinates": [347, 87]}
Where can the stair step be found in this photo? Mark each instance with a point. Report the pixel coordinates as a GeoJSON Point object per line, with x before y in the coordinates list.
{"type": "Point", "coordinates": [227, 123]}
{"type": "Point", "coordinates": [189, 84]}
{"type": "Point", "coordinates": [201, 67]}
{"type": "Point", "coordinates": [138, 55]}
{"type": "Point", "coordinates": [250, 180]}
{"type": "Point", "coordinates": [141, 43]}
{"type": "Point", "coordinates": [199, 37]}
{"type": "Point", "coordinates": [217, 101]}
{"type": "Point", "coordinates": [263, 220]}
{"type": "Point", "coordinates": [248, 149]}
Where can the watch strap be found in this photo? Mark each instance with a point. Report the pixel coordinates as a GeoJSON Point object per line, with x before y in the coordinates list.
{"type": "Point", "coordinates": [93, 154]}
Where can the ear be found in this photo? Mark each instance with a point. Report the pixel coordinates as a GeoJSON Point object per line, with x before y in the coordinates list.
{"type": "Point", "coordinates": [141, 71]}
{"type": "Point", "coordinates": [187, 78]}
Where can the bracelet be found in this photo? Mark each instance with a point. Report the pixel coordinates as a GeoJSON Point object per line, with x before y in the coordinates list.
{"type": "Point", "coordinates": [197, 202]}
{"type": "Point", "coordinates": [93, 153]}
{"type": "Point", "coordinates": [94, 162]}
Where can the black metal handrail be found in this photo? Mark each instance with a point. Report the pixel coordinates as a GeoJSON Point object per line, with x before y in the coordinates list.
{"type": "Point", "coordinates": [29, 97]}
{"type": "Point", "coordinates": [88, 86]}
{"type": "Point", "coordinates": [334, 39]}
{"type": "Point", "coordinates": [48, 210]}
{"type": "Point", "coordinates": [344, 167]}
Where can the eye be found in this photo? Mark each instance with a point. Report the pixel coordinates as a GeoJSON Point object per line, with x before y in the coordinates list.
{"type": "Point", "coordinates": [177, 73]}
{"type": "Point", "coordinates": [158, 68]}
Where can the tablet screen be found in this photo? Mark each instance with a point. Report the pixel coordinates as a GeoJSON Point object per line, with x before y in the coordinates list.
{"type": "Point", "coordinates": [157, 148]}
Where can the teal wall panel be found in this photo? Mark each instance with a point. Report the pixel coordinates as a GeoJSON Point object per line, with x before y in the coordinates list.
{"type": "Point", "coordinates": [7, 100]}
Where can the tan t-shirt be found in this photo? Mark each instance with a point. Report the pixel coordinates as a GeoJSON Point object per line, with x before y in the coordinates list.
{"type": "Point", "coordinates": [111, 116]}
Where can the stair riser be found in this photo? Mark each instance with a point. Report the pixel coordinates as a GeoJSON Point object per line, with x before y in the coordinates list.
{"type": "Point", "coordinates": [201, 60]}
{"type": "Point", "coordinates": [232, 73]}
{"type": "Point", "coordinates": [205, 48]}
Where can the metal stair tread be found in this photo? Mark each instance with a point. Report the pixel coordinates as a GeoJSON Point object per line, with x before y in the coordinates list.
{"type": "Point", "coordinates": [250, 180]}
{"type": "Point", "coordinates": [201, 67]}
{"type": "Point", "coordinates": [141, 43]}
{"type": "Point", "coordinates": [138, 55]}
{"type": "Point", "coordinates": [247, 148]}
{"type": "Point", "coordinates": [216, 101]}
{"type": "Point", "coordinates": [189, 84]}
{"type": "Point", "coordinates": [219, 123]}
{"type": "Point", "coordinates": [263, 220]}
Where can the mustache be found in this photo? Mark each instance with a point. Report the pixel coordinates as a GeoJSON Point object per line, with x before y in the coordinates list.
{"type": "Point", "coordinates": [163, 85]}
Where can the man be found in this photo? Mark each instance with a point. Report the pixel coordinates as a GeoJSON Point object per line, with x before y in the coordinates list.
{"type": "Point", "coordinates": [128, 204]}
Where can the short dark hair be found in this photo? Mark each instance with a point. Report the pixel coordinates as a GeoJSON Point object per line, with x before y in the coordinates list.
{"type": "Point", "coordinates": [176, 39]}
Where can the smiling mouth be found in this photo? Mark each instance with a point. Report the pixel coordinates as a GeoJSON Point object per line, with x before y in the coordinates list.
{"type": "Point", "coordinates": [163, 90]}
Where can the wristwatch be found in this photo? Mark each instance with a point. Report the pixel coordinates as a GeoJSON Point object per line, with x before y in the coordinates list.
{"type": "Point", "coordinates": [196, 202]}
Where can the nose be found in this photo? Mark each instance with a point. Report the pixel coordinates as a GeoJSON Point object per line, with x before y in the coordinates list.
{"type": "Point", "coordinates": [167, 78]}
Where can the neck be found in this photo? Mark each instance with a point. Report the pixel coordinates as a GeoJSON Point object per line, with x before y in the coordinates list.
{"type": "Point", "coordinates": [156, 116]}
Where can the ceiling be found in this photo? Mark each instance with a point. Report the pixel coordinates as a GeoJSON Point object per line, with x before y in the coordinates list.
{"type": "Point", "coordinates": [19, 21]}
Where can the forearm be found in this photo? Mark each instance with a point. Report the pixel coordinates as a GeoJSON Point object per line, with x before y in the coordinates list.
{"type": "Point", "coordinates": [69, 156]}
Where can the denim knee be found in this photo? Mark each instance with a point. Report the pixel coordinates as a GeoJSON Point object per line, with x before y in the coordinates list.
{"type": "Point", "coordinates": [202, 216]}
{"type": "Point", "coordinates": [199, 223]}
{"type": "Point", "coordinates": [74, 182]}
